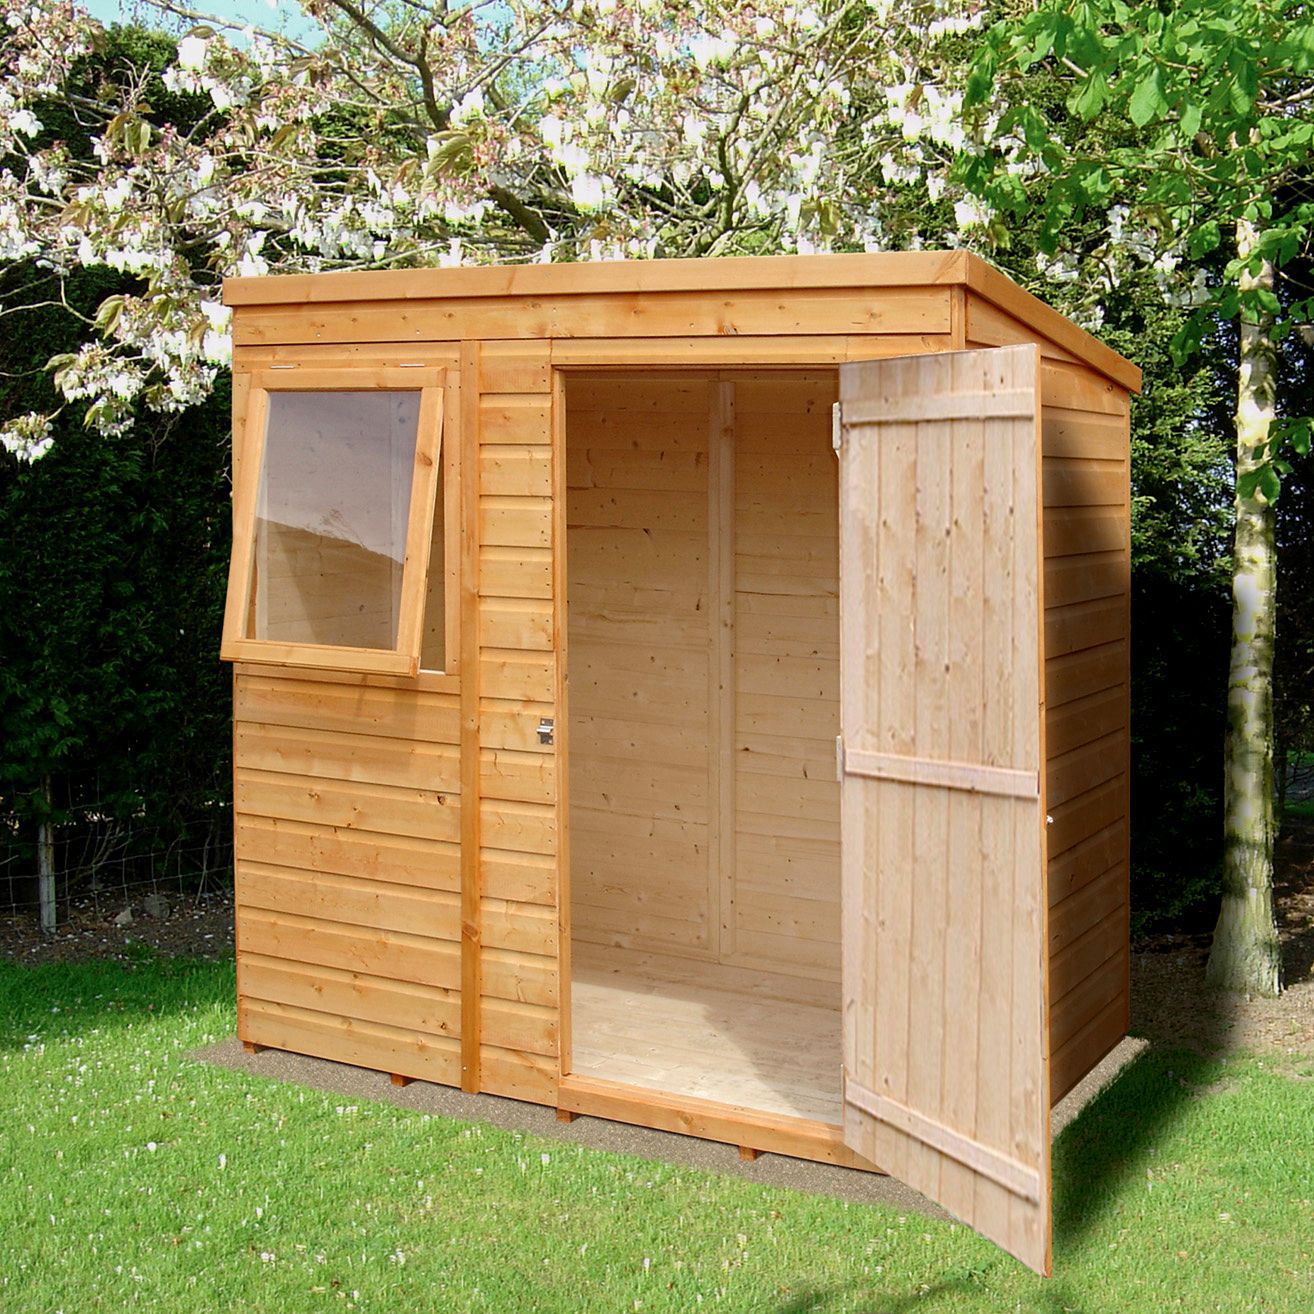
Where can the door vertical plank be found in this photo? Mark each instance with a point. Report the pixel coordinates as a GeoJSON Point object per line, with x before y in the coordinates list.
{"type": "Point", "coordinates": [965, 698]}
{"type": "Point", "coordinates": [942, 812]}
{"type": "Point", "coordinates": [930, 689]}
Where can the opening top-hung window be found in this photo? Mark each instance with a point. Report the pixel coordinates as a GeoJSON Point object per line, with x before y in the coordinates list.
{"type": "Point", "coordinates": [334, 519]}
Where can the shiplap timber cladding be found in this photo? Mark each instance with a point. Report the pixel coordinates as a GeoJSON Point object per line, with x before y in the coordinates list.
{"type": "Point", "coordinates": [944, 981]}
{"type": "Point", "coordinates": [414, 863]}
{"type": "Point", "coordinates": [1087, 564]}
{"type": "Point", "coordinates": [519, 985]}
{"type": "Point", "coordinates": [347, 869]}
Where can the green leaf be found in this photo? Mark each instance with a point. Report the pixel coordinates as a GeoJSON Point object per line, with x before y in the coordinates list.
{"type": "Point", "coordinates": [1243, 85]}
{"type": "Point", "coordinates": [1090, 97]}
{"type": "Point", "coordinates": [1186, 341]}
{"type": "Point", "coordinates": [1294, 431]}
{"type": "Point", "coordinates": [980, 78]}
{"type": "Point", "coordinates": [108, 314]}
{"type": "Point", "coordinates": [1191, 117]}
{"type": "Point", "coordinates": [1038, 39]}
{"type": "Point", "coordinates": [1270, 484]}
{"type": "Point", "coordinates": [1147, 100]}
{"type": "Point", "coordinates": [1205, 239]}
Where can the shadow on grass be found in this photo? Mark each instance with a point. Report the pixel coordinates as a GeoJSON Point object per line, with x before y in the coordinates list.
{"type": "Point", "coordinates": [64, 999]}
{"type": "Point", "coordinates": [1109, 1144]}
{"type": "Point", "coordinates": [819, 1298]}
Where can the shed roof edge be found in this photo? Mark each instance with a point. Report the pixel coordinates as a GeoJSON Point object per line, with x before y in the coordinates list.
{"type": "Point", "coordinates": [1000, 290]}
{"type": "Point", "coordinates": [876, 269]}
{"type": "Point", "coordinates": [785, 272]}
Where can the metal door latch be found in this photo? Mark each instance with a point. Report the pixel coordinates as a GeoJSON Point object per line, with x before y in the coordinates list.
{"type": "Point", "coordinates": [546, 728]}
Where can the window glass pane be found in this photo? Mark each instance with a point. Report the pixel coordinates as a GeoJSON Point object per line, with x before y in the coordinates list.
{"type": "Point", "coordinates": [433, 642]}
{"type": "Point", "coordinates": [334, 500]}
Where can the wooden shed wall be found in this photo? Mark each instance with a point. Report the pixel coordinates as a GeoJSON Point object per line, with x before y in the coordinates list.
{"type": "Point", "coordinates": [1086, 546]}
{"type": "Point", "coordinates": [780, 910]}
{"type": "Point", "coordinates": [366, 964]}
{"type": "Point", "coordinates": [1087, 557]}
{"type": "Point", "coordinates": [347, 804]}
{"type": "Point", "coordinates": [639, 636]}
{"type": "Point", "coordinates": [515, 919]}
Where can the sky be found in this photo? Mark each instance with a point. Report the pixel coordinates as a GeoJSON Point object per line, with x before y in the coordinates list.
{"type": "Point", "coordinates": [262, 13]}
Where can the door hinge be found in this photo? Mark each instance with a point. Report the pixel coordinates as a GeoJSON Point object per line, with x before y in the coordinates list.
{"type": "Point", "coordinates": [836, 427]}
{"type": "Point", "coordinates": [546, 730]}
{"type": "Point", "coordinates": [839, 757]}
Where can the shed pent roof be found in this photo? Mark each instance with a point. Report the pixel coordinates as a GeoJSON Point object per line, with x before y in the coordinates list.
{"type": "Point", "coordinates": [786, 273]}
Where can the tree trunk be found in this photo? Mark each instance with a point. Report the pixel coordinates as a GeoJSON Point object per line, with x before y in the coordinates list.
{"type": "Point", "coordinates": [1245, 956]}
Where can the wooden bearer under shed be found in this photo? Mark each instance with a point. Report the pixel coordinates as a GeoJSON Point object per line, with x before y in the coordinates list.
{"type": "Point", "coordinates": [694, 694]}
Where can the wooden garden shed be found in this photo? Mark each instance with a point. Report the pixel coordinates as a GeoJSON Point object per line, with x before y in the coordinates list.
{"type": "Point", "coordinates": [692, 693]}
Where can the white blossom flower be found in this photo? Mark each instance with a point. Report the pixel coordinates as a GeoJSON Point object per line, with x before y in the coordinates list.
{"type": "Point", "coordinates": [588, 191]}
{"type": "Point", "coordinates": [118, 192]}
{"type": "Point", "coordinates": [969, 212]}
{"type": "Point", "coordinates": [191, 52]}
{"type": "Point", "coordinates": [29, 437]}
{"type": "Point", "coordinates": [470, 106]}
{"type": "Point", "coordinates": [25, 122]}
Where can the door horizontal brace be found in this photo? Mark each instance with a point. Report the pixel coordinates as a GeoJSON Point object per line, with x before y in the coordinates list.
{"type": "Point", "coordinates": [1017, 1178]}
{"type": "Point", "coordinates": [1013, 404]}
{"type": "Point", "coordinates": [975, 778]}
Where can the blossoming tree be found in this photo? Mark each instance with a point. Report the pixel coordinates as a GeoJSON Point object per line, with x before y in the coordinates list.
{"type": "Point", "coordinates": [417, 133]}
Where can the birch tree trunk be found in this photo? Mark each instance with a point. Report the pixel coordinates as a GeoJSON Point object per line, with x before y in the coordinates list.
{"type": "Point", "coordinates": [1245, 954]}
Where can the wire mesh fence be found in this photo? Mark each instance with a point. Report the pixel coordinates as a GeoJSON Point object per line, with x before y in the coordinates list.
{"type": "Point", "coordinates": [1300, 778]}
{"type": "Point", "coordinates": [105, 853]}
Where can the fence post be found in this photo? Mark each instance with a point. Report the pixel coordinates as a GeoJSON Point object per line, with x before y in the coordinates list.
{"type": "Point", "coordinates": [46, 858]}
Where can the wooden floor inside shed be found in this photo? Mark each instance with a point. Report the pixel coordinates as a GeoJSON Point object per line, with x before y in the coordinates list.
{"type": "Point", "coordinates": [757, 1039]}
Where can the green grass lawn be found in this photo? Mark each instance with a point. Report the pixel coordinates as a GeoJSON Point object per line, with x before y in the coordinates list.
{"type": "Point", "coordinates": [134, 1177]}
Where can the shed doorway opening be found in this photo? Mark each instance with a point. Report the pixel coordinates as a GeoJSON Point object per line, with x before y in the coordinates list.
{"type": "Point", "coordinates": [703, 710]}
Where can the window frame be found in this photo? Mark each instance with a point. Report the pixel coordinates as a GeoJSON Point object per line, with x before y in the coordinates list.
{"type": "Point", "coordinates": [404, 658]}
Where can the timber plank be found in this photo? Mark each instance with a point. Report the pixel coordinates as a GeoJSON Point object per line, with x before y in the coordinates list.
{"type": "Point", "coordinates": [433, 1011]}
{"type": "Point", "coordinates": [346, 1040]}
{"type": "Point", "coordinates": [422, 813]}
{"type": "Point", "coordinates": [391, 955]}
{"type": "Point", "coordinates": [349, 901]}
{"type": "Point", "coordinates": [401, 859]}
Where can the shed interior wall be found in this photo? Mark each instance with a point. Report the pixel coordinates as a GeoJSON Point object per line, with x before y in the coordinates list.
{"type": "Point", "coordinates": [702, 563]}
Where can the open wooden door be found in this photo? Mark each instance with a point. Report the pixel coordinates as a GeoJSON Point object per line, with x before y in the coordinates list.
{"type": "Point", "coordinates": [942, 815]}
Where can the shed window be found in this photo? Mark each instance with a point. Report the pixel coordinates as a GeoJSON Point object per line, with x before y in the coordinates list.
{"type": "Point", "coordinates": [334, 522]}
